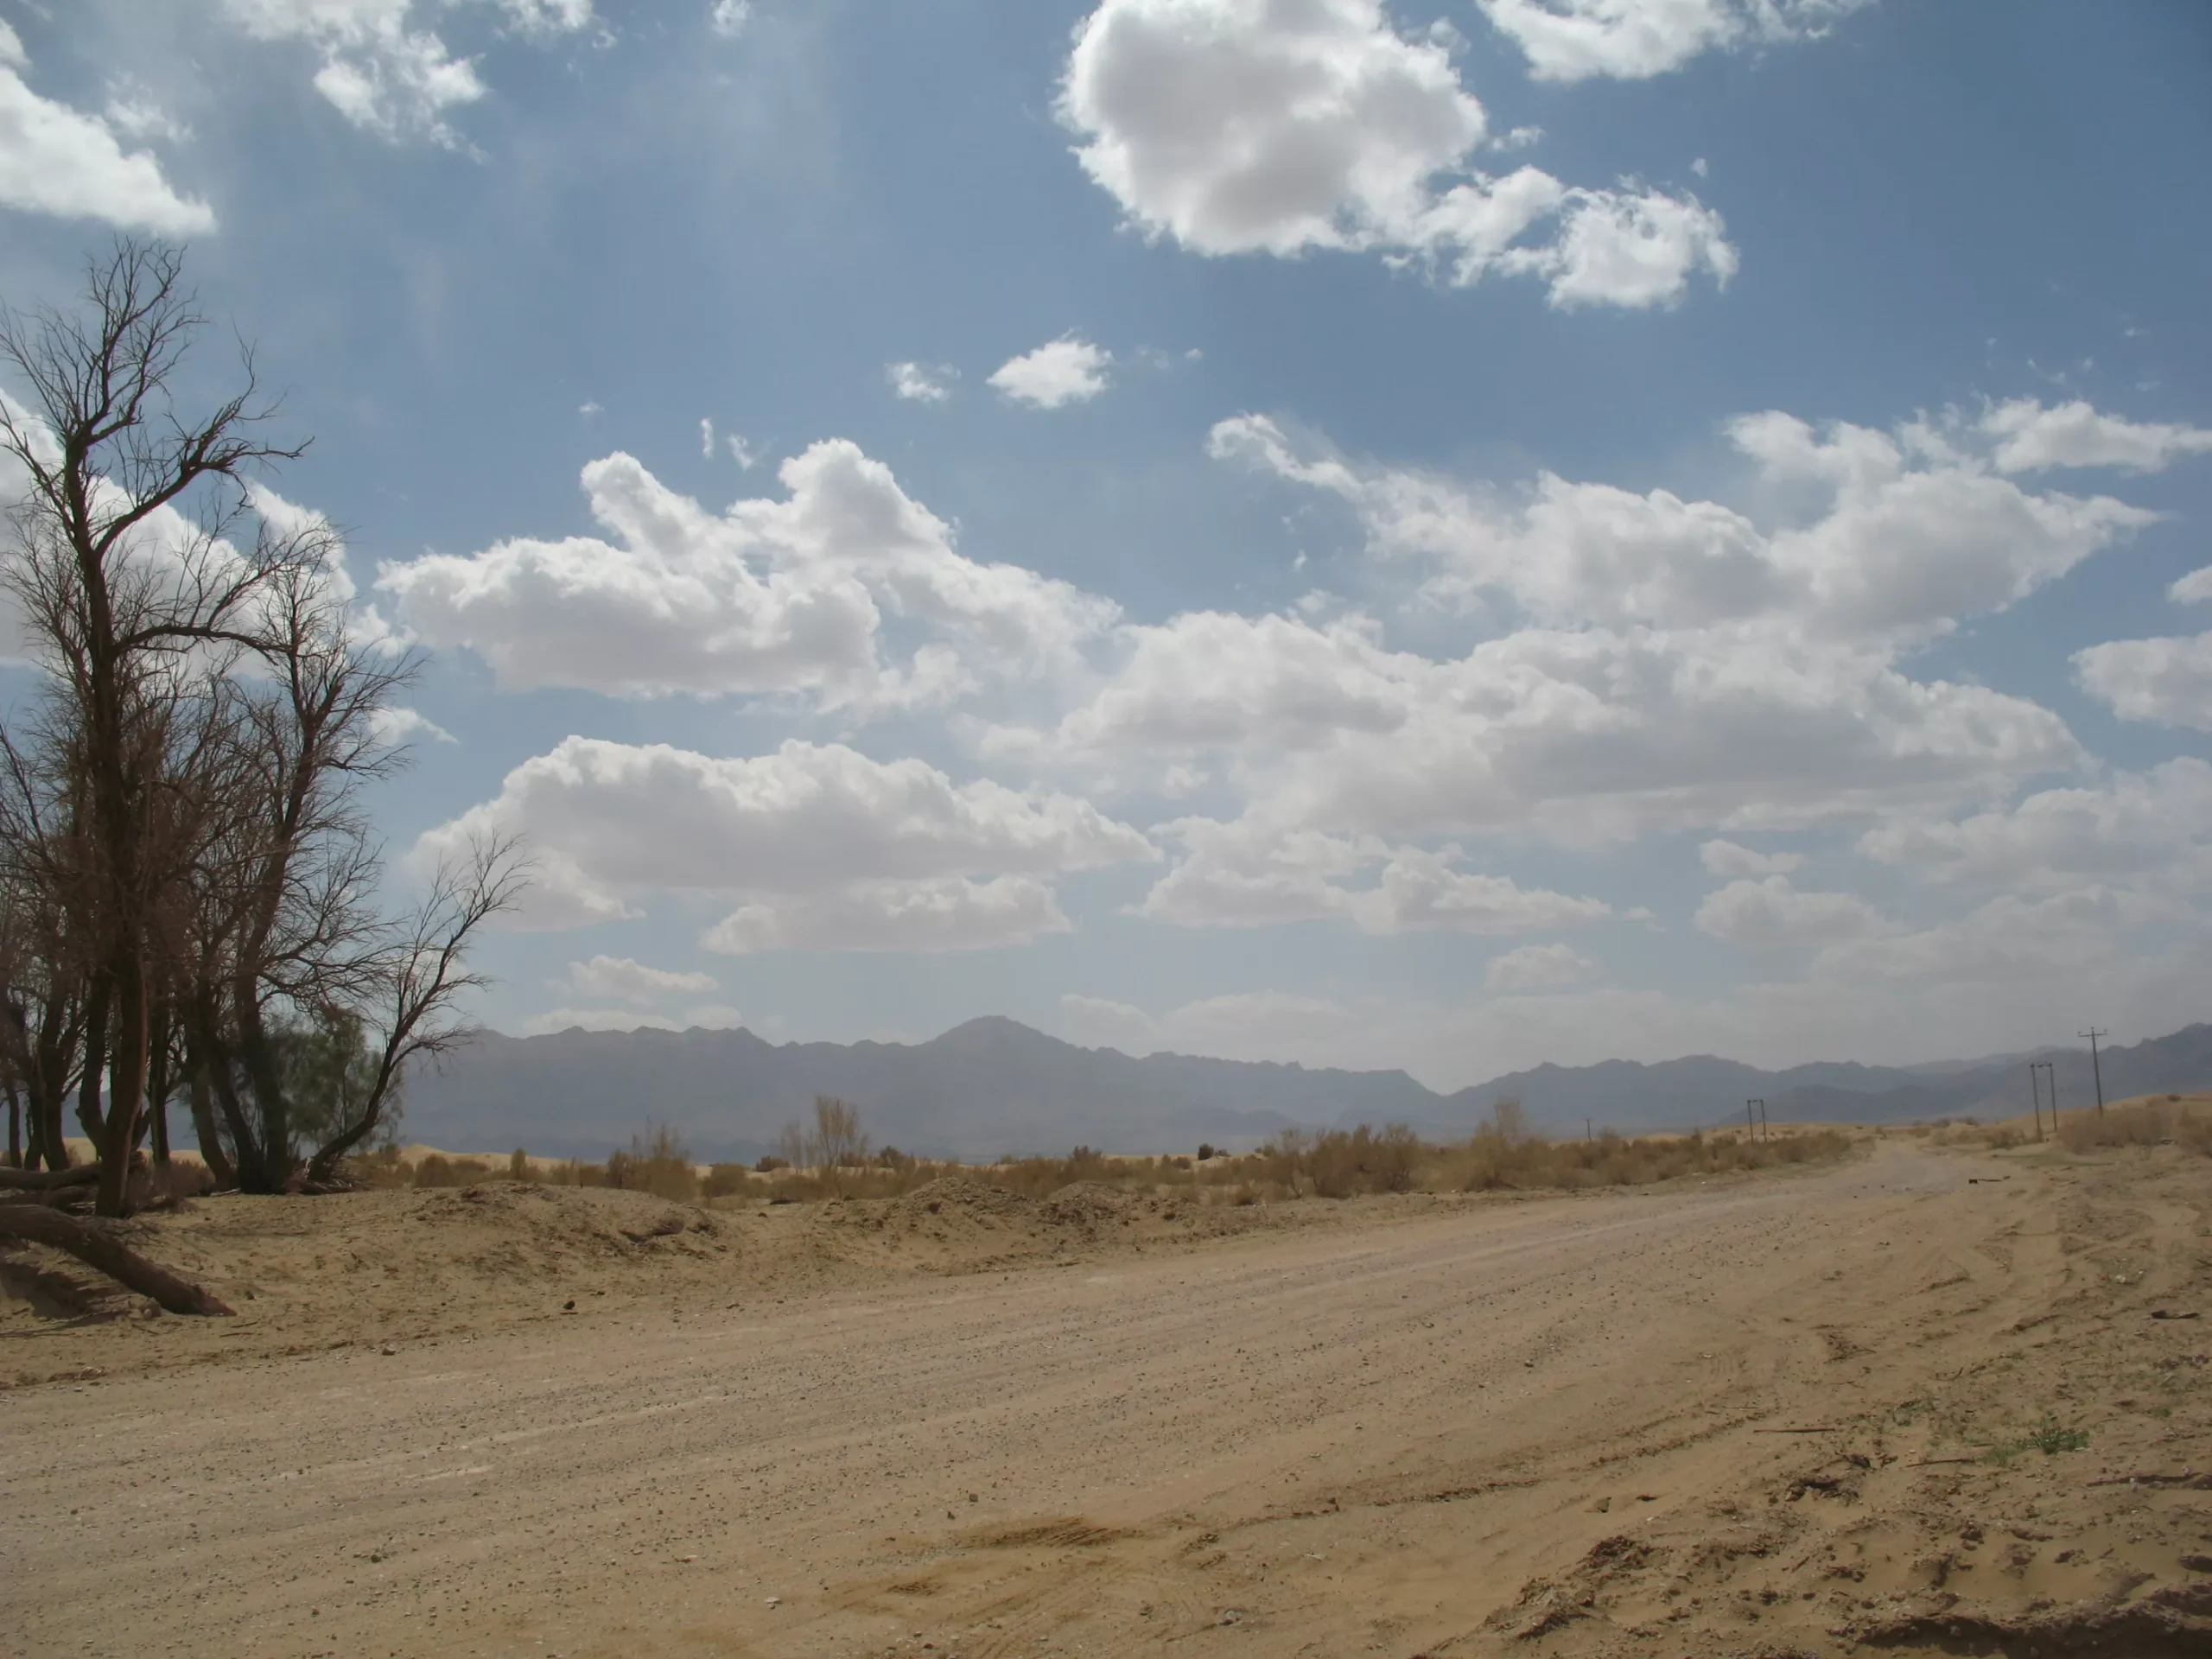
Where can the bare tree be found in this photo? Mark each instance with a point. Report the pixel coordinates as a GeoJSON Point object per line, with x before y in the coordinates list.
{"type": "Point", "coordinates": [184, 856]}
{"type": "Point", "coordinates": [124, 560]}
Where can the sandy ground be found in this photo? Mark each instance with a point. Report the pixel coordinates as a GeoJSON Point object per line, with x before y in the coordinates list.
{"type": "Point", "coordinates": [1408, 1427]}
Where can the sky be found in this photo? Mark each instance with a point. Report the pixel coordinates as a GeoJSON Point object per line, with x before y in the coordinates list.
{"type": "Point", "coordinates": [1448, 536]}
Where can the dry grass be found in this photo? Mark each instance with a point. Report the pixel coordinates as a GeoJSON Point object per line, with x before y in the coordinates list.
{"type": "Point", "coordinates": [2152, 1121]}
{"type": "Point", "coordinates": [1503, 1156]}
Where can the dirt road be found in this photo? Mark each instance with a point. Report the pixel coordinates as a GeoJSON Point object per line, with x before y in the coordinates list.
{"type": "Point", "coordinates": [1543, 1428]}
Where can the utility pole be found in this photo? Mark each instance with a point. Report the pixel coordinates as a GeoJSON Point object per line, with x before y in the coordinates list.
{"type": "Point", "coordinates": [1588, 1134]}
{"type": "Point", "coordinates": [1752, 1123]}
{"type": "Point", "coordinates": [2096, 1069]}
{"type": "Point", "coordinates": [2050, 1081]}
{"type": "Point", "coordinates": [2035, 1099]}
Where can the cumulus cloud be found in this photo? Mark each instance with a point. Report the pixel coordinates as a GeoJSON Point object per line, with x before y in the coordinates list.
{"type": "Point", "coordinates": [1538, 968]}
{"type": "Point", "coordinates": [393, 727]}
{"type": "Point", "coordinates": [1730, 861]}
{"type": "Point", "coordinates": [918, 384]}
{"type": "Point", "coordinates": [1058, 373]}
{"type": "Point", "coordinates": [2194, 589]}
{"type": "Point", "coordinates": [1254, 1025]}
{"type": "Point", "coordinates": [1771, 914]}
{"type": "Point", "coordinates": [826, 848]}
{"type": "Point", "coordinates": [728, 18]}
{"type": "Point", "coordinates": [2151, 828]}
{"type": "Point", "coordinates": [1651, 661]}
{"type": "Point", "coordinates": [381, 69]}
{"type": "Point", "coordinates": [946, 914]}
{"type": "Point", "coordinates": [2032, 438]}
{"type": "Point", "coordinates": [1242, 875]}
{"type": "Point", "coordinates": [1253, 126]}
{"type": "Point", "coordinates": [2166, 681]}
{"type": "Point", "coordinates": [793, 596]}
{"type": "Point", "coordinates": [59, 161]}
{"type": "Point", "coordinates": [2010, 938]}
{"type": "Point", "coordinates": [623, 979]}
{"type": "Point", "coordinates": [1633, 40]}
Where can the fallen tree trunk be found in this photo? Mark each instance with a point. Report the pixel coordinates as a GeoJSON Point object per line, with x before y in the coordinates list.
{"type": "Point", "coordinates": [47, 1180]}
{"type": "Point", "coordinates": [38, 1225]}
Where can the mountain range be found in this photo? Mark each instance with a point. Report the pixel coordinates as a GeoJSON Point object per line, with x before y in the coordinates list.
{"type": "Point", "coordinates": [993, 1086]}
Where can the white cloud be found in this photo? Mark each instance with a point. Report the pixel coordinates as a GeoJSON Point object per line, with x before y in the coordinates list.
{"type": "Point", "coordinates": [1242, 875]}
{"type": "Point", "coordinates": [1060, 371]}
{"type": "Point", "coordinates": [1730, 861]}
{"type": "Point", "coordinates": [917, 384]}
{"type": "Point", "coordinates": [590, 409]}
{"type": "Point", "coordinates": [1771, 914]}
{"type": "Point", "coordinates": [2151, 828]}
{"type": "Point", "coordinates": [1245, 126]}
{"type": "Point", "coordinates": [623, 979]}
{"type": "Point", "coordinates": [2008, 939]}
{"type": "Point", "coordinates": [946, 914]}
{"type": "Point", "coordinates": [1905, 540]}
{"type": "Point", "coordinates": [1627, 248]}
{"type": "Point", "coordinates": [1245, 1024]}
{"type": "Point", "coordinates": [819, 840]}
{"type": "Point", "coordinates": [1538, 968]}
{"type": "Point", "coordinates": [743, 452]}
{"type": "Point", "coordinates": [1517, 139]}
{"type": "Point", "coordinates": [133, 111]}
{"type": "Point", "coordinates": [1631, 40]}
{"type": "Point", "coordinates": [1650, 662]}
{"type": "Point", "coordinates": [1100, 1022]}
{"type": "Point", "coordinates": [2167, 682]}
{"type": "Point", "coordinates": [706, 438]}
{"type": "Point", "coordinates": [2034, 438]}
{"type": "Point", "coordinates": [59, 161]}
{"type": "Point", "coordinates": [728, 18]}
{"type": "Point", "coordinates": [394, 726]}
{"type": "Point", "coordinates": [792, 595]}
{"type": "Point", "coordinates": [382, 73]}
{"type": "Point", "coordinates": [2194, 589]}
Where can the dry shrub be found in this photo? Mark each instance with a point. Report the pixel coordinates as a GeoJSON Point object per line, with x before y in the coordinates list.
{"type": "Point", "coordinates": [438, 1170]}
{"type": "Point", "coordinates": [657, 1162]}
{"type": "Point", "coordinates": [725, 1181]}
{"type": "Point", "coordinates": [1339, 1163]}
{"type": "Point", "coordinates": [1488, 1161]}
{"type": "Point", "coordinates": [2140, 1123]}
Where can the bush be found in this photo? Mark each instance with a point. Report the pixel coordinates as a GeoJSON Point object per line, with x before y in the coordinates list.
{"type": "Point", "coordinates": [658, 1163]}
{"type": "Point", "coordinates": [725, 1180]}
{"type": "Point", "coordinates": [438, 1170]}
{"type": "Point", "coordinates": [2140, 1123]}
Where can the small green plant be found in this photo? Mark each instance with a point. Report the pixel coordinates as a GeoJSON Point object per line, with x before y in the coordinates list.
{"type": "Point", "coordinates": [2050, 1440]}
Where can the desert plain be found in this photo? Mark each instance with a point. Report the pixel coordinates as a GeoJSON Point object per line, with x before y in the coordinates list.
{"type": "Point", "coordinates": [1927, 1399]}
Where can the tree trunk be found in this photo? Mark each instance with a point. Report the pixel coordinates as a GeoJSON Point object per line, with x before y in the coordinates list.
{"type": "Point", "coordinates": [36, 1181]}
{"type": "Point", "coordinates": [15, 1127]}
{"type": "Point", "coordinates": [88, 1087]}
{"type": "Point", "coordinates": [103, 1250]}
{"type": "Point", "coordinates": [203, 1125]}
{"type": "Point", "coordinates": [126, 1087]}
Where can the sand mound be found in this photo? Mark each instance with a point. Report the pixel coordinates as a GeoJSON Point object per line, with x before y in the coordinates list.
{"type": "Point", "coordinates": [1088, 1205]}
{"type": "Point", "coordinates": [957, 1198]}
{"type": "Point", "coordinates": [558, 1224]}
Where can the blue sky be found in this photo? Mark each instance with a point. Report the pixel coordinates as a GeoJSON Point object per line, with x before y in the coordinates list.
{"type": "Point", "coordinates": [1447, 536]}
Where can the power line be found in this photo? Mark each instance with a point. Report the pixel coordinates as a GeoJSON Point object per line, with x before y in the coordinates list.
{"type": "Point", "coordinates": [2095, 1068]}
